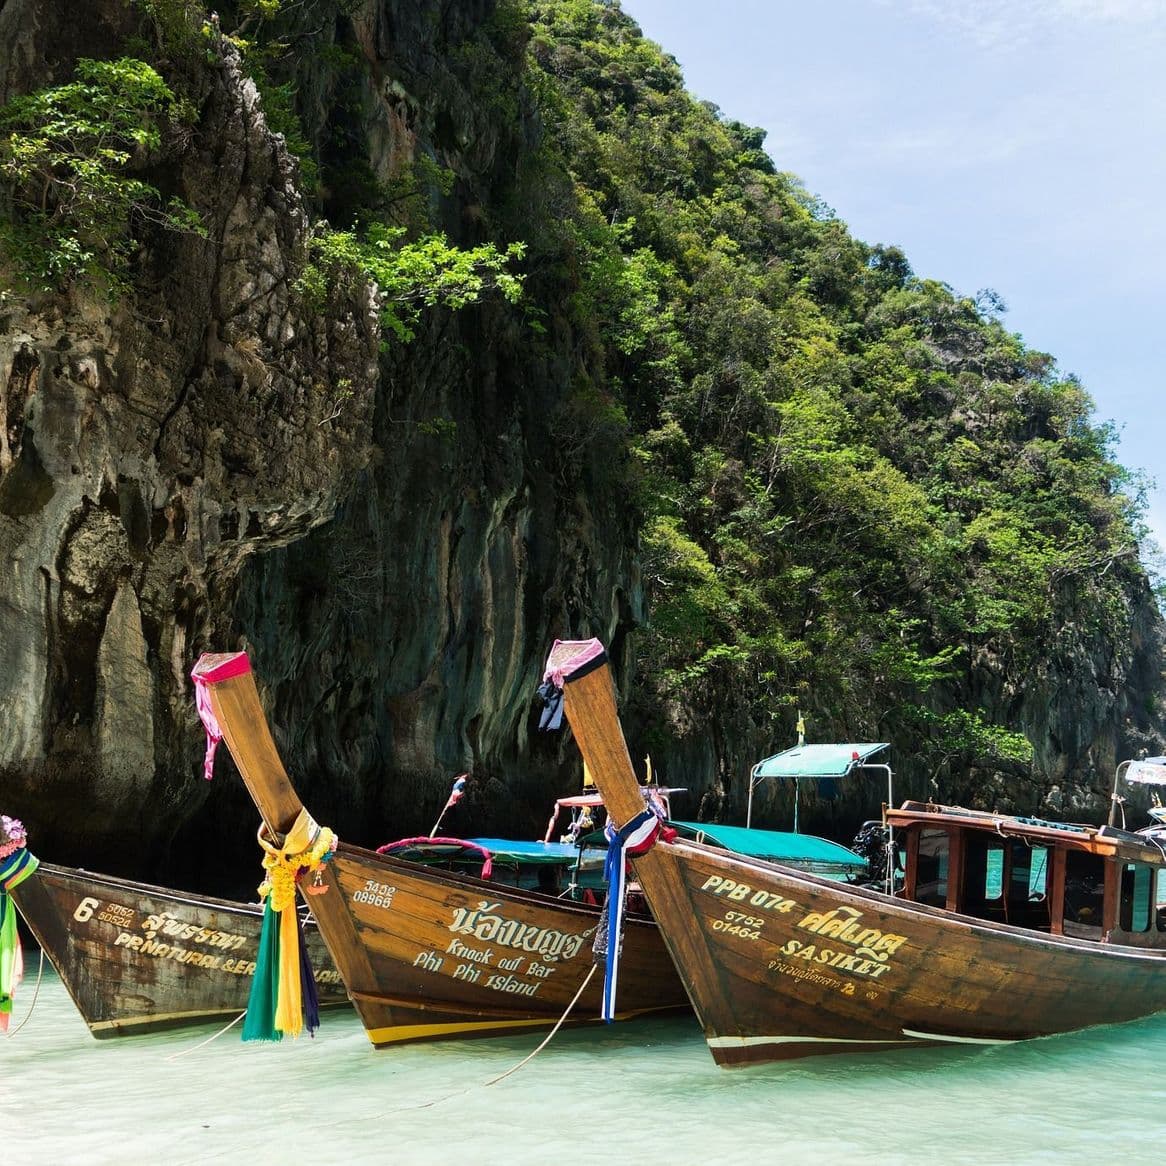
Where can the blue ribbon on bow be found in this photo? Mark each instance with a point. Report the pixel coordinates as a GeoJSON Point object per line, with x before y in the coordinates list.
{"type": "Point", "coordinates": [615, 872]}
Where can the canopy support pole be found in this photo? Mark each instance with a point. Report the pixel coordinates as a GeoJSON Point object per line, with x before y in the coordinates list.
{"type": "Point", "coordinates": [890, 872]}
{"type": "Point", "coordinates": [1113, 797]}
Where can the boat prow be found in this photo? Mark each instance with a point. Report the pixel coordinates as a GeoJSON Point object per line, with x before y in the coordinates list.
{"type": "Point", "coordinates": [429, 953]}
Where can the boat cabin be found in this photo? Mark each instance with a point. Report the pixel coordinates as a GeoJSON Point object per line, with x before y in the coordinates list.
{"type": "Point", "coordinates": [1091, 882]}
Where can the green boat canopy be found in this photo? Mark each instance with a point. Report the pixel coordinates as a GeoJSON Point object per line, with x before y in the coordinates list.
{"type": "Point", "coordinates": [835, 760]}
{"type": "Point", "coordinates": [801, 850]}
{"type": "Point", "coordinates": [817, 763]}
{"type": "Point", "coordinates": [538, 853]}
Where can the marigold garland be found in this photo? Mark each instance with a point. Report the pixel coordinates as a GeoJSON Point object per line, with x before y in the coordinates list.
{"type": "Point", "coordinates": [285, 868]}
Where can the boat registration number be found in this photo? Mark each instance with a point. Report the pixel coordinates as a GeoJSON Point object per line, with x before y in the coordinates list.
{"type": "Point", "coordinates": [734, 923]}
{"type": "Point", "coordinates": [743, 893]}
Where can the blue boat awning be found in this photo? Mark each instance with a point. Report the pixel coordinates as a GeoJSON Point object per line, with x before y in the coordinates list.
{"type": "Point", "coordinates": [777, 846]}
{"type": "Point", "coordinates": [538, 853]}
{"type": "Point", "coordinates": [819, 760]}
{"type": "Point", "coordinates": [1147, 771]}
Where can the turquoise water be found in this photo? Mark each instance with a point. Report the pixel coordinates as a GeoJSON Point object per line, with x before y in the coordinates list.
{"type": "Point", "coordinates": [638, 1092]}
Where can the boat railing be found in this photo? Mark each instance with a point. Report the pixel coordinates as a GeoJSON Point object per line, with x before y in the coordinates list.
{"type": "Point", "coordinates": [425, 841]}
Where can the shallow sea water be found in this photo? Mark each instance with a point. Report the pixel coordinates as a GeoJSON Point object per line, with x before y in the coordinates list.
{"type": "Point", "coordinates": [639, 1092]}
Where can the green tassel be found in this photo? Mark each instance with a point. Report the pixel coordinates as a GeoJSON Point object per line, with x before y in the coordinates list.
{"type": "Point", "coordinates": [259, 1023]}
{"type": "Point", "coordinates": [7, 952]}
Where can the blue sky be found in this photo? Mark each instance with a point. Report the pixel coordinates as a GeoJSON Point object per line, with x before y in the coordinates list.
{"type": "Point", "coordinates": [1013, 144]}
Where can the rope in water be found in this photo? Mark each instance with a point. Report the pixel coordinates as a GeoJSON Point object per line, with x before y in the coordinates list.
{"type": "Point", "coordinates": [201, 1044]}
{"type": "Point", "coordinates": [546, 1041]}
{"type": "Point", "coordinates": [514, 1069]}
{"type": "Point", "coordinates": [460, 1092]}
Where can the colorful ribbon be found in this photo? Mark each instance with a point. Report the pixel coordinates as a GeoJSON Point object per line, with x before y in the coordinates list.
{"type": "Point", "coordinates": [629, 841]}
{"type": "Point", "coordinates": [231, 666]}
{"type": "Point", "coordinates": [206, 714]}
{"type": "Point", "coordinates": [16, 864]}
{"type": "Point", "coordinates": [283, 994]}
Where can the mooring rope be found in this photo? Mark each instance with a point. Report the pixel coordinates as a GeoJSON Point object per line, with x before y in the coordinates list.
{"type": "Point", "coordinates": [426, 1104]}
{"type": "Point", "coordinates": [437, 1100]}
{"type": "Point", "coordinates": [201, 1044]}
{"type": "Point", "coordinates": [546, 1041]}
{"type": "Point", "coordinates": [513, 1069]}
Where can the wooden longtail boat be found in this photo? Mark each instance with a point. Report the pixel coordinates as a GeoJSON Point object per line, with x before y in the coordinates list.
{"type": "Point", "coordinates": [136, 958]}
{"type": "Point", "coordinates": [425, 952]}
{"type": "Point", "coordinates": [1006, 928]}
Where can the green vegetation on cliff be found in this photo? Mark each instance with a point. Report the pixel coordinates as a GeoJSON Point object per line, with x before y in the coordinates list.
{"type": "Point", "coordinates": [845, 488]}
{"type": "Point", "coordinates": [856, 483]}
{"type": "Point", "coordinates": [70, 157]}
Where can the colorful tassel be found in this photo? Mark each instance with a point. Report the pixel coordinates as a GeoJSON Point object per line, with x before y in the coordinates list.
{"type": "Point", "coordinates": [283, 995]}
{"type": "Point", "coordinates": [16, 864]}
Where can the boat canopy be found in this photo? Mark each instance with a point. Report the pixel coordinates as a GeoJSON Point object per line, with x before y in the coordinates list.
{"type": "Point", "coordinates": [535, 853]}
{"type": "Point", "coordinates": [1143, 771]}
{"type": "Point", "coordinates": [802, 850]}
{"type": "Point", "coordinates": [1148, 771]}
{"type": "Point", "coordinates": [817, 762]}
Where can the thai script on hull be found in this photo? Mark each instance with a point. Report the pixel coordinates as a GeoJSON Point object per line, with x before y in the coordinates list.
{"type": "Point", "coordinates": [483, 922]}
{"type": "Point", "coordinates": [842, 924]}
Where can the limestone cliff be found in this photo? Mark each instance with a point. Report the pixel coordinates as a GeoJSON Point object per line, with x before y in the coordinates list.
{"type": "Point", "coordinates": [148, 449]}
{"type": "Point", "coordinates": [395, 533]}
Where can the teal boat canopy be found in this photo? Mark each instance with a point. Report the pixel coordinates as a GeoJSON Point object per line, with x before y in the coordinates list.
{"type": "Point", "coordinates": [833, 760]}
{"type": "Point", "coordinates": [538, 853]}
{"type": "Point", "coordinates": [804, 851]}
{"type": "Point", "coordinates": [817, 762]}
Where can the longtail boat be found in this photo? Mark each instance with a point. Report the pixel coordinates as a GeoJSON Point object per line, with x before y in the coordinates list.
{"type": "Point", "coordinates": [138, 958]}
{"type": "Point", "coordinates": [1005, 928]}
{"type": "Point", "coordinates": [427, 952]}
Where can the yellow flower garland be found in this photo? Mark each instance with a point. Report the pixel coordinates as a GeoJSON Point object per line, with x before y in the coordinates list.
{"type": "Point", "coordinates": [306, 847]}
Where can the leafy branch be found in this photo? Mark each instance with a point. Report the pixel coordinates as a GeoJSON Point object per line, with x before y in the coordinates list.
{"type": "Point", "coordinates": [66, 161]}
{"type": "Point", "coordinates": [410, 276]}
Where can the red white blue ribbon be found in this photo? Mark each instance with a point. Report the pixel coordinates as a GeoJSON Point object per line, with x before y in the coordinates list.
{"type": "Point", "coordinates": [629, 841]}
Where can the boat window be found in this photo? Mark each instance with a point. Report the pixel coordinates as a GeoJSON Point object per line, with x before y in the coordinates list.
{"type": "Point", "coordinates": [1038, 871]}
{"type": "Point", "coordinates": [1137, 885]}
{"type": "Point", "coordinates": [1028, 904]}
{"type": "Point", "coordinates": [1084, 888]}
{"type": "Point", "coordinates": [1029, 869]}
{"type": "Point", "coordinates": [983, 874]}
{"type": "Point", "coordinates": [931, 868]}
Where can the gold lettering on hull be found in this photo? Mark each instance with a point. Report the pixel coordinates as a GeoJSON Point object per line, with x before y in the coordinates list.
{"type": "Point", "coordinates": [745, 894]}
{"type": "Point", "coordinates": [164, 925]}
{"type": "Point", "coordinates": [842, 924]}
{"type": "Point", "coordinates": [871, 949]}
{"type": "Point", "coordinates": [516, 975]}
{"type": "Point", "coordinates": [485, 923]}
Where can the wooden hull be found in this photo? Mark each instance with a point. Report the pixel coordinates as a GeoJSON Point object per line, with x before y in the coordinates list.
{"type": "Point", "coordinates": [802, 966]}
{"type": "Point", "coordinates": [136, 958]}
{"type": "Point", "coordinates": [781, 964]}
{"type": "Point", "coordinates": [428, 953]}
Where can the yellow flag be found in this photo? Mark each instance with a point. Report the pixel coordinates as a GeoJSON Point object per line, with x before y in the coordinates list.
{"type": "Point", "coordinates": [588, 780]}
{"type": "Point", "coordinates": [648, 768]}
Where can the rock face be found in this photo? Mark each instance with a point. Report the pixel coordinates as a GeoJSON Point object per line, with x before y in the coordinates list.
{"type": "Point", "coordinates": [397, 537]}
{"type": "Point", "coordinates": [148, 449]}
